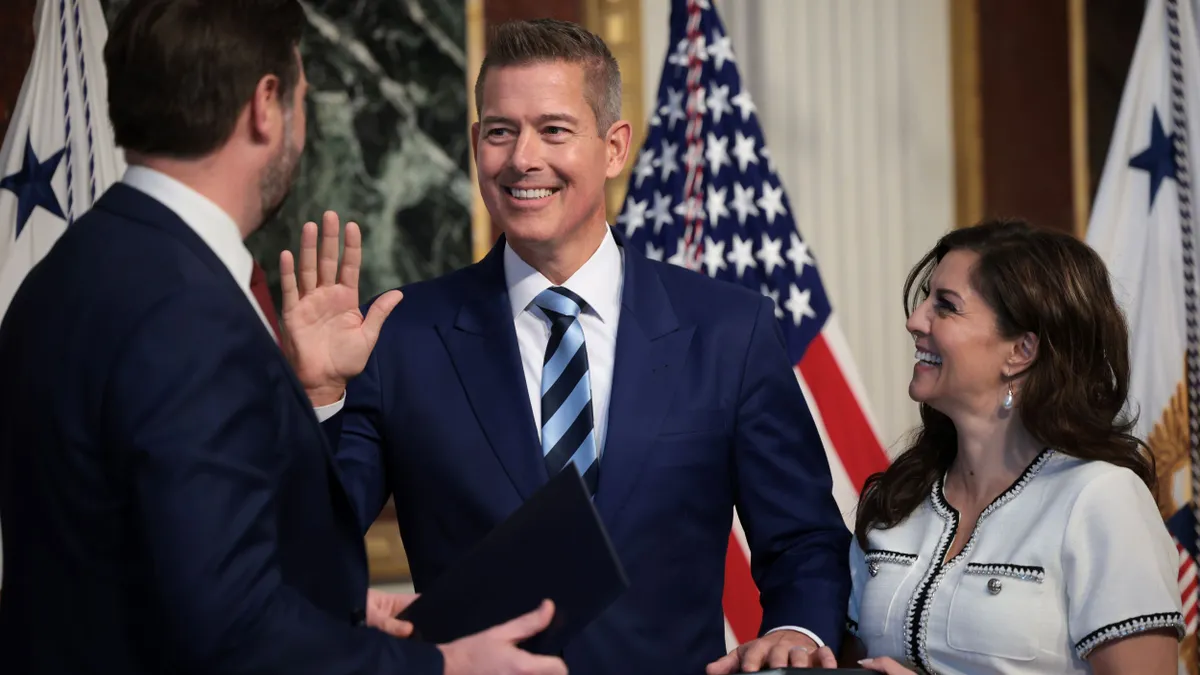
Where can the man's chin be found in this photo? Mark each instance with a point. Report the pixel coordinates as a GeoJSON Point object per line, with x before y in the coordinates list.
{"type": "Point", "coordinates": [532, 228]}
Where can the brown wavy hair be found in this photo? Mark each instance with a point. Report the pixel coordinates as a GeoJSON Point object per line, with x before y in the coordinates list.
{"type": "Point", "coordinates": [1074, 393]}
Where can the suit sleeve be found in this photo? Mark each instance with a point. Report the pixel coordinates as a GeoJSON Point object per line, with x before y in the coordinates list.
{"type": "Point", "coordinates": [798, 541]}
{"type": "Point", "coordinates": [192, 404]}
{"type": "Point", "coordinates": [355, 435]}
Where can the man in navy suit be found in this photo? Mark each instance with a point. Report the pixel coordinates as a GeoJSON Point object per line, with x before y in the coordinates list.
{"type": "Point", "coordinates": [671, 392]}
{"type": "Point", "coordinates": [170, 503]}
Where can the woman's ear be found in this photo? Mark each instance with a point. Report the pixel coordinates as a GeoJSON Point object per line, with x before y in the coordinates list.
{"type": "Point", "coordinates": [1024, 353]}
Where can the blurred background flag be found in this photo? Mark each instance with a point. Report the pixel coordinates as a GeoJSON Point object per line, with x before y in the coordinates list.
{"type": "Point", "coordinates": [58, 154]}
{"type": "Point", "coordinates": [1143, 225]}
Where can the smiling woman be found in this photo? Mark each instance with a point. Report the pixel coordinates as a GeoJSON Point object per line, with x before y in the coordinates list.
{"type": "Point", "coordinates": [1018, 532]}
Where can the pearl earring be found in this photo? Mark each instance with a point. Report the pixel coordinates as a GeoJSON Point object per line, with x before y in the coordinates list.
{"type": "Point", "coordinates": [1008, 398]}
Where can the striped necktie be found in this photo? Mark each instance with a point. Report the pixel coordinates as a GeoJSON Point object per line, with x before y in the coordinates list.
{"type": "Point", "coordinates": [567, 434]}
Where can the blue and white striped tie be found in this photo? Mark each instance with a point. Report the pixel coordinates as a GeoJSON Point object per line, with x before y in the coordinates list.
{"type": "Point", "coordinates": [567, 430]}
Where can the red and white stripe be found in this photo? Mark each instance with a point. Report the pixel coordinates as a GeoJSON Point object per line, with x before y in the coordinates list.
{"type": "Point", "coordinates": [1187, 587]}
{"type": "Point", "coordinates": [838, 403]}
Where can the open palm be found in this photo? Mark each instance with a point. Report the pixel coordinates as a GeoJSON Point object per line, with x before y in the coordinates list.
{"type": "Point", "coordinates": [326, 337]}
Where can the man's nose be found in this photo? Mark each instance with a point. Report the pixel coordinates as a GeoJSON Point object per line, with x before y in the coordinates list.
{"type": "Point", "coordinates": [527, 153]}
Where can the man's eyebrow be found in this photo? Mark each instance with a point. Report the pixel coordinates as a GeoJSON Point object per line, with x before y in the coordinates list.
{"type": "Point", "coordinates": [541, 119]}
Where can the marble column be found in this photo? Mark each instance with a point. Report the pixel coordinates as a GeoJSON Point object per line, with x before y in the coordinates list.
{"type": "Point", "coordinates": [387, 145]}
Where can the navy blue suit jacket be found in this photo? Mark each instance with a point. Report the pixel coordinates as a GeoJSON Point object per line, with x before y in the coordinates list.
{"type": "Point", "coordinates": [706, 414]}
{"type": "Point", "coordinates": [169, 502]}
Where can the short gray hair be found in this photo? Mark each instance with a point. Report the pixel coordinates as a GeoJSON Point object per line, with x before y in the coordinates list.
{"type": "Point", "coordinates": [543, 40]}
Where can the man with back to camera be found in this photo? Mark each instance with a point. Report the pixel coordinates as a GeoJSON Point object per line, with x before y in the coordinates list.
{"type": "Point", "coordinates": [671, 392]}
{"type": "Point", "coordinates": [170, 503]}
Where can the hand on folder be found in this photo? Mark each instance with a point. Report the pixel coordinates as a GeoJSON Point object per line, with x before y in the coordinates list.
{"type": "Point", "coordinates": [495, 652]}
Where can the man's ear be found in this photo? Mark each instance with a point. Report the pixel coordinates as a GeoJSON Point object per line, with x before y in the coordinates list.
{"type": "Point", "coordinates": [265, 106]}
{"type": "Point", "coordinates": [620, 134]}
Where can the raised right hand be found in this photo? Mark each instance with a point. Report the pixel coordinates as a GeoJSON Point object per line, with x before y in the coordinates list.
{"type": "Point", "coordinates": [326, 338]}
{"type": "Point", "coordinates": [495, 652]}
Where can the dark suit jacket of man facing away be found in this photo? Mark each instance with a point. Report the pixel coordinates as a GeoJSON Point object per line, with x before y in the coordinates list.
{"type": "Point", "coordinates": [706, 414]}
{"type": "Point", "coordinates": [169, 502]}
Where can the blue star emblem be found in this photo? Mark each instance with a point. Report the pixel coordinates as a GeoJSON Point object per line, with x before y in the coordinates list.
{"type": "Point", "coordinates": [32, 185]}
{"type": "Point", "coordinates": [1159, 159]}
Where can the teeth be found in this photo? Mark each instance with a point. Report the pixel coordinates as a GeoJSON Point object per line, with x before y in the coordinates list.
{"type": "Point", "coordinates": [928, 357]}
{"type": "Point", "coordinates": [530, 194]}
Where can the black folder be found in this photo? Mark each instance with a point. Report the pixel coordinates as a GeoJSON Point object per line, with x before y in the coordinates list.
{"type": "Point", "coordinates": [553, 546]}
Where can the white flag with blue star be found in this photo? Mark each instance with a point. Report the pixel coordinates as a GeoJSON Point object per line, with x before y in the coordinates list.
{"type": "Point", "coordinates": [58, 154]}
{"type": "Point", "coordinates": [1144, 227]}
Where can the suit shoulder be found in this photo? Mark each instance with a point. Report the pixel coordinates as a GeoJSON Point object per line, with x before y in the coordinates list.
{"type": "Point", "coordinates": [706, 298]}
{"type": "Point", "coordinates": [106, 271]}
{"type": "Point", "coordinates": [435, 300]}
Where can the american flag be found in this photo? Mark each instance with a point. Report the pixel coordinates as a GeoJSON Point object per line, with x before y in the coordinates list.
{"type": "Point", "coordinates": [704, 194]}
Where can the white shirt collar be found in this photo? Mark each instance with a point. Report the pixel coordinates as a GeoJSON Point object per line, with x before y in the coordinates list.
{"type": "Point", "coordinates": [598, 282]}
{"type": "Point", "coordinates": [212, 224]}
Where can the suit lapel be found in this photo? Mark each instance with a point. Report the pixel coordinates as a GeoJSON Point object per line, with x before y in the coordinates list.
{"type": "Point", "coordinates": [483, 346]}
{"type": "Point", "coordinates": [650, 351]}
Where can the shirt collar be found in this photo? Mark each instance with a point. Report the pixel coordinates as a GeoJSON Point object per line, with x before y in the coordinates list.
{"type": "Point", "coordinates": [598, 282]}
{"type": "Point", "coordinates": [211, 223]}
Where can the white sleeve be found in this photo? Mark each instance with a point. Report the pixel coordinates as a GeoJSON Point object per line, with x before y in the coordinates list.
{"type": "Point", "coordinates": [1119, 564]}
{"type": "Point", "coordinates": [858, 579]}
{"type": "Point", "coordinates": [324, 412]}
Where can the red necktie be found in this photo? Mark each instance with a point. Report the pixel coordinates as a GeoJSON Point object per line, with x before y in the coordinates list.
{"type": "Point", "coordinates": [258, 286]}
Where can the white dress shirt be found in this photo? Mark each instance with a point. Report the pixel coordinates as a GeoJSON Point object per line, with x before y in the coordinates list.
{"type": "Point", "coordinates": [599, 283]}
{"type": "Point", "coordinates": [1072, 556]}
{"type": "Point", "coordinates": [212, 224]}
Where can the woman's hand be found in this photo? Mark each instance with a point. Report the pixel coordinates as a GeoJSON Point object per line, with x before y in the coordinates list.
{"type": "Point", "coordinates": [886, 665]}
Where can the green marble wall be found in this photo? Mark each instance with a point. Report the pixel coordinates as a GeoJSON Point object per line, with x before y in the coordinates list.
{"type": "Point", "coordinates": [387, 142]}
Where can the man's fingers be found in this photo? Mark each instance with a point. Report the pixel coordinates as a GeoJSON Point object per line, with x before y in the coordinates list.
{"type": "Point", "coordinates": [396, 628]}
{"type": "Point", "coordinates": [779, 655]}
{"type": "Point", "coordinates": [287, 281]}
{"type": "Point", "coordinates": [755, 656]}
{"type": "Point", "coordinates": [543, 665]}
{"type": "Point", "coordinates": [527, 625]}
{"type": "Point", "coordinates": [352, 256]}
{"type": "Point", "coordinates": [308, 258]}
{"type": "Point", "coordinates": [799, 657]}
{"type": "Point", "coordinates": [725, 665]}
{"type": "Point", "coordinates": [327, 262]}
{"type": "Point", "coordinates": [378, 313]}
{"type": "Point", "coordinates": [826, 658]}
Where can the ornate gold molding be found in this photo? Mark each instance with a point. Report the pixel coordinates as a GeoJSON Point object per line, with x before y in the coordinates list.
{"type": "Point", "coordinates": [386, 559]}
{"type": "Point", "coordinates": [968, 114]}
{"type": "Point", "coordinates": [619, 24]}
{"type": "Point", "coordinates": [1081, 178]}
{"type": "Point", "coordinates": [481, 224]}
